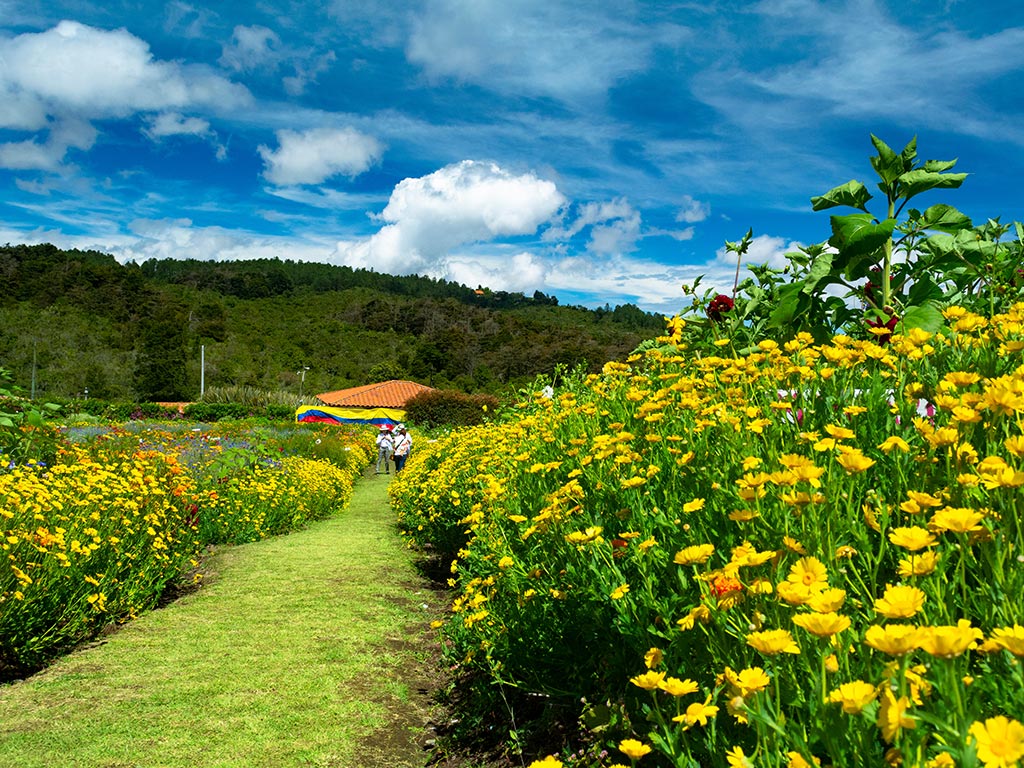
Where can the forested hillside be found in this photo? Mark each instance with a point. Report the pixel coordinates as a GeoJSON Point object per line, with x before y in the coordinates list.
{"type": "Point", "coordinates": [85, 323]}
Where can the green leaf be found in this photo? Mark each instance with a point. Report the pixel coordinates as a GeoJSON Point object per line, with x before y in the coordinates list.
{"type": "Point", "coordinates": [820, 268]}
{"type": "Point", "coordinates": [888, 165]}
{"type": "Point", "coordinates": [786, 305]}
{"type": "Point", "coordinates": [852, 193]}
{"type": "Point", "coordinates": [925, 316]}
{"type": "Point", "coordinates": [858, 235]}
{"type": "Point", "coordinates": [938, 166]}
{"type": "Point", "coordinates": [923, 290]}
{"type": "Point", "coordinates": [944, 218]}
{"type": "Point", "coordinates": [909, 153]}
{"type": "Point", "coordinates": [918, 181]}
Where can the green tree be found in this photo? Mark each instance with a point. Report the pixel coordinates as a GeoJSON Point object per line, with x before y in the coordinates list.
{"type": "Point", "coordinates": [160, 368]}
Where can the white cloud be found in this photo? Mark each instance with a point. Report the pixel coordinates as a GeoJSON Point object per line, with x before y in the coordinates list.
{"type": "Point", "coordinates": [523, 272]}
{"type": "Point", "coordinates": [533, 46]}
{"type": "Point", "coordinates": [98, 73]}
{"type": "Point", "coordinates": [176, 124]}
{"type": "Point", "coordinates": [311, 157]}
{"type": "Point", "coordinates": [693, 211]}
{"type": "Point", "coordinates": [428, 218]}
{"type": "Point", "coordinates": [251, 48]}
{"type": "Point", "coordinates": [48, 155]}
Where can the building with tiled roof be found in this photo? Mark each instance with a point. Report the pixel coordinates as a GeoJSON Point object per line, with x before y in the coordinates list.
{"type": "Point", "coordinates": [387, 394]}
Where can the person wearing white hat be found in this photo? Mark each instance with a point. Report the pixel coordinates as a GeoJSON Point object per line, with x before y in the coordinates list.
{"type": "Point", "coordinates": [385, 447]}
{"type": "Point", "coordinates": [403, 445]}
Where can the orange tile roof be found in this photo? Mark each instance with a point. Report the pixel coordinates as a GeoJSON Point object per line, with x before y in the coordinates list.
{"type": "Point", "coordinates": [386, 394]}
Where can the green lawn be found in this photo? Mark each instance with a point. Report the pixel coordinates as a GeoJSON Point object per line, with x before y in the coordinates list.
{"type": "Point", "coordinates": [311, 649]}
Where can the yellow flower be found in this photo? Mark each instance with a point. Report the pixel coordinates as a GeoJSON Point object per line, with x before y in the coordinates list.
{"type": "Point", "coordinates": [941, 760]}
{"type": "Point", "coordinates": [948, 641]}
{"type": "Point", "coordinates": [649, 680]}
{"type": "Point", "coordinates": [751, 680]}
{"type": "Point", "coordinates": [854, 696]}
{"type": "Point", "coordinates": [794, 594]}
{"type": "Point", "coordinates": [693, 506]}
{"type": "Point", "coordinates": [900, 602]}
{"type": "Point", "coordinates": [619, 592]}
{"type": "Point", "coordinates": [694, 555]}
{"type": "Point", "coordinates": [810, 572]}
{"type": "Point", "coordinates": [673, 686]}
{"type": "Point", "coordinates": [737, 759]}
{"type": "Point", "coordinates": [701, 613]}
{"type": "Point", "coordinates": [892, 717]}
{"type": "Point", "coordinates": [827, 600]}
{"type": "Point", "coordinates": [822, 624]}
{"type": "Point", "coordinates": [582, 537]}
{"type": "Point", "coordinates": [796, 760]}
{"type": "Point", "coordinates": [1010, 639]}
{"type": "Point", "coordinates": [773, 641]}
{"type": "Point", "coordinates": [999, 741]}
{"type": "Point", "coordinates": [957, 519]}
{"type": "Point", "coordinates": [697, 713]}
{"type": "Point", "coordinates": [853, 461]}
{"type": "Point", "coordinates": [893, 639]}
{"type": "Point", "coordinates": [506, 562]}
{"type": "Point", "coordinates": [918, 565]}
{"type": "Point", "coordinates": [793, 545]}
{"type": "Point", "coordinates": [633, 749]}
{"type": "Point", "coordinates": [839, 433]}
{"type": "Point", "coordinates": [912, 538]}
{"type": "Point", "coordinates": [894, 443]}
{"type": "Point", "coordinates": [548, 762]}
{"type": "Point", "coordinates": [652, 658]}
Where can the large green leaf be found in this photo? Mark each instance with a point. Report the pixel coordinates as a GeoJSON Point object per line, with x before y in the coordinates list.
{"type": "Point", "coordinates": [821, 267]}
{"type": "Point", "coordinates": [925, 316]}
{"type": "Point", "coordinates": [787, 305]}
{"type": "Point", "coordinates": [918, 181]}
{"type": "Point", "coordinates": [938, 166]}
{"type": "Point", "coordinates": [923, 290]}
{"type": "Point", "coordinates": [944, 218]}
{"type": "Point", "coordinates": [852, 193]}
{"type": "Point", "coordinates": [888, 165]}
{"type": "Point", "coordinates": [858, 235]}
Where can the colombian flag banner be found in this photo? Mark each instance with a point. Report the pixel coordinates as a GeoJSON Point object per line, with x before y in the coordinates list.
{"type": "Point", "coordinates": [325, 414]}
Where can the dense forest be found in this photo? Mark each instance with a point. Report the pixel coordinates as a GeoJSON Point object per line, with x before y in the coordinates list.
{"type": "Point", "coordinates": [76, 323]}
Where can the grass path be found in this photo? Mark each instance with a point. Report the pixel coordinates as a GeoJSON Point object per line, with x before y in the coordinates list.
{"type": "Point", "coordinates": [304, 650]}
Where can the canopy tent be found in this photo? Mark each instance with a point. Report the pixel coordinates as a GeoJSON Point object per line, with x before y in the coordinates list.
{"type": "Point", "coordinates": [325, 414]}
{"type": "Point", "coordinates": [381, 404]}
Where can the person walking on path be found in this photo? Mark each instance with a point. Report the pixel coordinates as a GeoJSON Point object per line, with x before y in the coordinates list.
{"type": "Point", "coordinates": [385, 447]}
{"type": "Point", "coordinates": [403, 445]}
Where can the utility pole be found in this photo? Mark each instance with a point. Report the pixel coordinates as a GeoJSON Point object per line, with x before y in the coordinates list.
{"type": "Point", "coordinates": [35, 344]}
{"type": "Point", "coordinates": [302, 378]}
{"type": "Point", "coordinates": [202, 371]}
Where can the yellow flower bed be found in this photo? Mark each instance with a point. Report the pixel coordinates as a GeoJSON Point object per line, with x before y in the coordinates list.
{"type": "Point", "coordinates": [825, 539]}
{"type": "Point", "coordinates": [98, 536]}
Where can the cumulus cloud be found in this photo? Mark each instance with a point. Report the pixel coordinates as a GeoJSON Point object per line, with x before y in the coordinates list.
{"type": "Point", "coordinates": [53, 83]}
{"type": "Point", "coordinates": [428, 218]}
{"type": "Point", "coordinates": [98, 73]}
{"type": "Point", "coordinates": [313, 156]}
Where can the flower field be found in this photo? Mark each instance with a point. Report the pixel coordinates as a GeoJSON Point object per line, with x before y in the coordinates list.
{"type": "Point", "coordinates": [121, 515]}
{"type": "Point", "coordinates": [801, 554]}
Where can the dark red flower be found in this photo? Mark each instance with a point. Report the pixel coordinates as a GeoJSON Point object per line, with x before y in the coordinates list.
{"type": "Point", "coordinates": [889, 325]}
{"type": "Point", "coordinates": [719, 306]}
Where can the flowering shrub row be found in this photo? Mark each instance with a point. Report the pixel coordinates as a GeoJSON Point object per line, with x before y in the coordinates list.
{"type": "Point", "coordinates": [769, 559]}
{"type": "Point", "coordinates": [98, 536]}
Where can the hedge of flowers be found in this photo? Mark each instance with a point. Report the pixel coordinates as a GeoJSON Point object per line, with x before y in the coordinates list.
{"type": "Point", "coordinates": [101, 534]}
{"type": "Point", "coordinates": [805, 554]}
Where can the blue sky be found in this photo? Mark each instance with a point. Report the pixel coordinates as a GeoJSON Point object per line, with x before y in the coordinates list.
{"type": "Point", "coordinates": [601, 152]}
